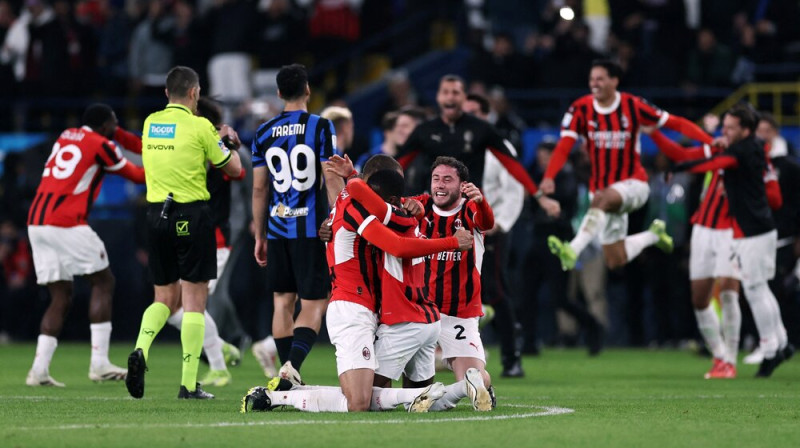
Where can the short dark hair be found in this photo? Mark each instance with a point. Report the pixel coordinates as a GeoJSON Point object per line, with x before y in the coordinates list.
{"type": "Point", "coordinates": [769, 118]}
{"type": "Point", "coordinates": [461, 169]}
{"type": "Point", "coordinates": [614, 70]}
{"type": "Point", "coordinates": [416, 113]}
{"type": "Point", "coordinates": [380, 162]}
{"type": "Point", "coordinates": [292, 81]}
{"type": "Point", "coordinates": [748, 118]}
{"type": "Point", "coordinates": [387, 183]}
{"type": "Point", "coordinates": [180, 80]}
{"type": "Point", "coordinates": [483, 103]}
{"type": "Point", "coordinates": [453, 78]}
{"type": "Point", "coordinates": [96, 115]}
{"type": "Point", "coordinates": [389, 120]}
{"type": "Point", "coordinates": [210, 109]}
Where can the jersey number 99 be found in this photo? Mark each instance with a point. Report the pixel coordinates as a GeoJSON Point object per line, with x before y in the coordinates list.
{"type": "Point", "coordinates": [287, 172]}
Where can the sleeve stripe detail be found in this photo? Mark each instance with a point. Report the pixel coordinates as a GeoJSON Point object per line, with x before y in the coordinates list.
{"type": "Point", "coordinates": [706, 151]}
{"type": "Point", "coordinates": [569, 133]}
{"type": "Point", "coordinates": [388, 216]}
{"type": "Point", "coordinates": [663, 119]}
{"type": "Point", "coordinates": [224, 162]}
{"type": "Point", "coordinates": [365, 224]}
{"type": "Point", "coordinates": [117, 166]}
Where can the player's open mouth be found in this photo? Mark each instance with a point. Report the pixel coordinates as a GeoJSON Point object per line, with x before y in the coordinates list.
{"type": "Point", "coordinates": [440, 194]}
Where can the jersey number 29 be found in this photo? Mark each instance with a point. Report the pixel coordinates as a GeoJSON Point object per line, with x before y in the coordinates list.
{"type": "Point", "coordinates": [66, 158]}
{"type": "Point", "coordinates": [287, 172]}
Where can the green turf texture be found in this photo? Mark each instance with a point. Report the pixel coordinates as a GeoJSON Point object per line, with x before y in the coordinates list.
{"type": "Point", "coordinates": [623, 398]}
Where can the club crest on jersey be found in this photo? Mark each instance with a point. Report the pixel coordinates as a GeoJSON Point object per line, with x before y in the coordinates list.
{"type": "Point", "coordinates": [625, 122]}
{"type": "Point", "coordinates": [283, 211]}
{"type": "Point", "coordinates": [366, 353]}
{"type": "Point", "coordinates": [457, 224]}
{"type": "Point", "coordinates": [161, 130]}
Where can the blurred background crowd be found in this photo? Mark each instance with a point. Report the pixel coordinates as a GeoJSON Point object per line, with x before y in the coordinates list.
{"type": "Point", "coordinates": [530, 58]}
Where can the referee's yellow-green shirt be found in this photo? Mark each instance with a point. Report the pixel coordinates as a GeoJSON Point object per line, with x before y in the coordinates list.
{"type": "Point", "coordinates": [175, 147]}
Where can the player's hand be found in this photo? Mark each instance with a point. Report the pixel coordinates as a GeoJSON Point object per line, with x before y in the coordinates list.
{"type": "Point", "coordinates": [710, 123]}
{"type": "Point", "coordinates": [547, 186]}
{"type": "Point", "coordinates": [473, 193]}
{"type": "Point", "coordinates": [325, 231]}
{"type": "Point", "coordinates": [721, 142]}
{"type": "Point", "coordinates": [464, 239]}
{"type": "Point", "coordinates": [413, 207]}
{"type": "Point", "coordinates": [260, 252]}
{"type": "Point", "coordinates": [341, 166]}
{"type": "Point", "coordinates": [550, 206]}
{"type": "Point", "coordinates": [647, 129]}
{"type": "Point", "coordinates": [493, 230]}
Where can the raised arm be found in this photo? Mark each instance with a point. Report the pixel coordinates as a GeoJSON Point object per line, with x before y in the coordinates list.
{"type": "Point", "coordinates": [128, 140]}
{"type": "Point", "coordinates": [401, 247]}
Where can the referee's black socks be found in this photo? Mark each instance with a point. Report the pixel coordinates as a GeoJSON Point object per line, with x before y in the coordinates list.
{"type": "Point", "coordinates": [304, 339]}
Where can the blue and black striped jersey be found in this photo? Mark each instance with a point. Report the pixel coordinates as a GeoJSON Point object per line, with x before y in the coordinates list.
{"type": "Point", "coordinates": [292, 146]}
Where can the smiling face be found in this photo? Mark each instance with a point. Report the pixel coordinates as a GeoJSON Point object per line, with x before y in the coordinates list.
{"type": "Point", "coordinates": [445, 187]}
{"type": "Point", "coordinates": [450, 98]}
{"type": "Point", "coordinates": [603, 86]}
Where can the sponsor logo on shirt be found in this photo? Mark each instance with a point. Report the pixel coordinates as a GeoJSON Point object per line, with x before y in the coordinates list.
{"type": "Point", "coordinates": [282, 211]}
{"type": "Point", "coordinates": [161, 130]}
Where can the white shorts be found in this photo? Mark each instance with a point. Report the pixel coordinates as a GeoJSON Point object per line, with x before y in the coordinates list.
{"type": "Point", "coordinates": [223, 253]}
{"type": "Point", "coordinates": [634, 194]}
{"type": "Point", "coordinates": [61, 253]}
{"type": "Point", "coordinates": [408, 348]}
{"type": "Point", "coordinates": [711, 253]}
{"type": "Point", "coordinates": [754, 260]}
{"type": "Point", "coordinates": [351, 328]}
{"type": "Point", "coordinates": [460, 338]}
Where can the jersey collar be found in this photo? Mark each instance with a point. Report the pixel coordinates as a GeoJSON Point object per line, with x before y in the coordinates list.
{"type": "Point", "coordinates": [452, 212]}
{"type": "Point", "coordinates": [607, 110]}
{"type": "Point", "coordinates": [179, 106]}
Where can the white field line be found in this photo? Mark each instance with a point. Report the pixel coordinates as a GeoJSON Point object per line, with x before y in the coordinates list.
{"type": "Point", "coordinates": [543, 411]}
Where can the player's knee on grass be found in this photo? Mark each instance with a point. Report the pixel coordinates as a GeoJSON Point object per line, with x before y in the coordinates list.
{"type": "Point", "coordinates": [359, 400]}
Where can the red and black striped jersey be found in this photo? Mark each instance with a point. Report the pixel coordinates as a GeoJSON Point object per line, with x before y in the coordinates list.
{"type": "Point", "coordinates": [352, 261]}
{"type": "Point", "coordinates": [454, 277]}
{"type": "Point", "coordinates": [72, 177]}
{"type": "Point", "coordinates": [713, 210]}
{"type": "Point", "coordinates": [404, 292]}
{"type": "Point", "coordinates": [612, 136]}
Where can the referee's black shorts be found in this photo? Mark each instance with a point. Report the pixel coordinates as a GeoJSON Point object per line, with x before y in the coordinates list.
{"type": "Point", "coordinates": [298, 265]}
{"type": "Point", "coordinates": [183, 246]}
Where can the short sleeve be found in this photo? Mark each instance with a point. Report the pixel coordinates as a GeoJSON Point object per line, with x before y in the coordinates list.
{"type": "Point", "coordinates": [257, 156]}
{"type": "Point", "coordinates": [572, 122]}
{"type": "Point", "coordinates": [328, 141]}
{"type": "Point", "coordinates": [216, 152]}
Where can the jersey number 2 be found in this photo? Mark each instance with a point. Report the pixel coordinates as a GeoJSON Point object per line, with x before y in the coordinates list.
{"type": "Point", "coordinates": [287, 172]}
{"type": "Point", "coordinates": [460, 334]}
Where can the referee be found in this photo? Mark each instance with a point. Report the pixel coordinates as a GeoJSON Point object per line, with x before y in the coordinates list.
{"type": "Point", "coordinates": [176, 146]}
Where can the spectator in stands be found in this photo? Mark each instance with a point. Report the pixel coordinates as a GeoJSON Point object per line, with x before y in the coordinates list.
{"type": "Point", "coordinates": [113, 29]}
{"type": "Point", "coordinates": [502, 65]}
{"type": "Point", "coordinates": [232, 30]}
{"type": "Point", "coordinates": [401, 93]}
{"type": "Point", "coordinates": [17, 283]}
{"type": "Point", "coordinates": [508, 123]}
{"type": "Point", "coordinates": [150, 56]}
{"type": "Point", "coordinates": [709, 63]}
{"type": "Point", "coordinates": [187, 40]}
{"type": "Point", "coordinates": [334, 26]}
{"type": "Point", "coordinates": [396, 127]}
{"type": "Point", "coordinates": [283, 33]}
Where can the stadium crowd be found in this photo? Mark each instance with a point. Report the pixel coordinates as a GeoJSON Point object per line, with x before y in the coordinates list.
{"type": "Point", "coordinates": [112, 49]}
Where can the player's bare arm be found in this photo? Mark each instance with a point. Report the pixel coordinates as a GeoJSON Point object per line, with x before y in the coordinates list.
{"type": "Point", "coordinates": [260, 194]}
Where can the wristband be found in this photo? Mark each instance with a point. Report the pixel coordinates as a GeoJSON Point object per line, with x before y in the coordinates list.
{"type": "Point", "coordinates": [538, 194]}
{"type": "Point", "coordinates": [352, 175]}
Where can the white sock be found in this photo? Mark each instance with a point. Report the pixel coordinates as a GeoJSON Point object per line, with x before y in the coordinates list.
{"type": "Point", "coordinates": [312, 400]}
{"type": "Point", "coordinates": [212, 345]}
{"type": "Point", "coordinates": [45, 347]}
{"type": "Point", "coordinates": [101, 335]}
{"type": "Point", "coordinates": [452, 395]}
{"type": "Point", "coordinates": [593, 222]}
{"type": "Point", "coordinates": [708, 323]}
{"type": "Point", "coordinates": [176, 319]}
{"type": "Point", "coordinates": [760, 299]}
{"type": "Point", "coordinates": [635, 244]}
{"type": "Point", "coordinates": [387, 399]}
{"type": "Point", "coordinates": [731, 323]}
{"type": "Point", "coordinates": [780, 330]}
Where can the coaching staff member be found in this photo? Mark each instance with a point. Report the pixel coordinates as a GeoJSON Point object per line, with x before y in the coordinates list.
{"type": "Point", "coordinates": [176, 146]}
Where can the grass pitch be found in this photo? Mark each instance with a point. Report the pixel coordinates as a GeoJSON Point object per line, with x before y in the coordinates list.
{"type": "Point", "coordinates": [621, 398]}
